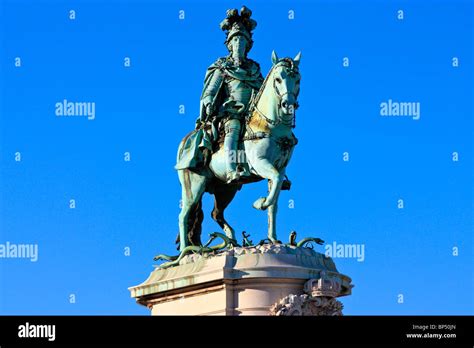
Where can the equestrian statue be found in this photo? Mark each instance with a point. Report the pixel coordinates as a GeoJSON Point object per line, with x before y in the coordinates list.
{"type": "Point", "coordinates": [244, 134]}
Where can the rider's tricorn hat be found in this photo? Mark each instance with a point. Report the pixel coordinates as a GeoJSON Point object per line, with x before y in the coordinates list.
{"type": "Point", "coordinates": [238, 24]}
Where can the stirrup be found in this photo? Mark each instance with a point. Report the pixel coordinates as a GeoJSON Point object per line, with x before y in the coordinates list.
{"type": "Point", "coordinates": [233, 177]}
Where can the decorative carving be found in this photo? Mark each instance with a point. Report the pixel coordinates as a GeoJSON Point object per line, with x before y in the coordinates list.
{"type": "Point", "coordinates": [306, 305]}
{"type": "Point", "coordinates": [262, 249]}
{"type": "Point", "coordinates": [319, 299]}
{"type": "Point", "coordinates": [324, 286]}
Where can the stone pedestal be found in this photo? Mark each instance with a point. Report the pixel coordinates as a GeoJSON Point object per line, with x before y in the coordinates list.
{"type": "Point", "coordinates": [261, 280]}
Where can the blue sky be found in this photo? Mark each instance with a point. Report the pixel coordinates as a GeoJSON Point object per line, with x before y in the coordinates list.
{"type": "Point", "coordinates": [135, 204]}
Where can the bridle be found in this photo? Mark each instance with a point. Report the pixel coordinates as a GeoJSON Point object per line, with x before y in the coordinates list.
{"type": "Point", "coordinates": [281, 119]}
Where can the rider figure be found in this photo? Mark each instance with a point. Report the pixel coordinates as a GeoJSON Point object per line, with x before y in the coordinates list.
{"type": "Point", "coordinates": [230, 83]}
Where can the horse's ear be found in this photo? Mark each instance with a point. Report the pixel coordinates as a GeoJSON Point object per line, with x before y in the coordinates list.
{"type": "Point", "coordinates": [297, 59]}
{"type": "Point", "coordinates": [274, 58]}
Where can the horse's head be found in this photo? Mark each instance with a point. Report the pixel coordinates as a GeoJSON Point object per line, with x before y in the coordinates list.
{"type": "Point", "coordinates": [286, 82]}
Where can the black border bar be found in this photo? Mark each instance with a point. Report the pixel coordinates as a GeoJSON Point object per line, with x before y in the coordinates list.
{"type": "Point", "coordinates": [142, 331]}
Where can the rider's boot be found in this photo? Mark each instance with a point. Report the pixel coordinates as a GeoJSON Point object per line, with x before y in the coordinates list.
{"type": "Point", "coordinates": [231, 139]}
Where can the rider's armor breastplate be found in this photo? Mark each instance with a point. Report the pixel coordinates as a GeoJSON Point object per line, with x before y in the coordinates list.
{"type": "Point", "coordinates": [237, 91]}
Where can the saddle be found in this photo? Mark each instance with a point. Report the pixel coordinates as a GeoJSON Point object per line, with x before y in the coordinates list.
{"type": "Point", "coordinates": [215, 130]}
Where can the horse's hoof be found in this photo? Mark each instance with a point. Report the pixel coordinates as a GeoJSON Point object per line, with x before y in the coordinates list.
{"type": "Point", "coordinates": [260, 204]}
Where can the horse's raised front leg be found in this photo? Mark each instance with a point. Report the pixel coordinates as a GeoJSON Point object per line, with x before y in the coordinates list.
{"type": "Point", "coordinates": [266, 170]}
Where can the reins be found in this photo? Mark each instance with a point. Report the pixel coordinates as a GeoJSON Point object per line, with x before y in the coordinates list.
{"type": "Point", "coordinates": [254, 108]}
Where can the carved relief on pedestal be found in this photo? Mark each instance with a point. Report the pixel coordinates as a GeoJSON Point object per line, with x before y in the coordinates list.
{"type": "Point", "coordinates": [319, 299]}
